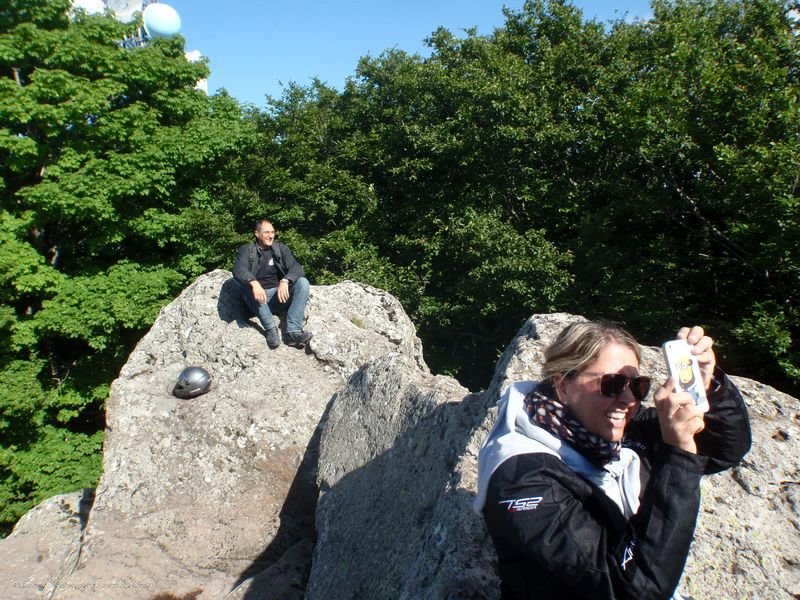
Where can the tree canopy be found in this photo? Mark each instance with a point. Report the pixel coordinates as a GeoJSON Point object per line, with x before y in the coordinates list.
{"type": "Point", "coordinates": [638, 171]}
{"type": "Point", "coordinates": [110, 169]}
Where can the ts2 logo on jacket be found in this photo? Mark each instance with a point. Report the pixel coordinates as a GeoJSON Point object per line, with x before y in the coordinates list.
{"type": "Point", "coordinates": [520, 504]}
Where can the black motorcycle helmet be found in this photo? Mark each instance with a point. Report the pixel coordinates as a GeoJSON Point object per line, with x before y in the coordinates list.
{"type": "Point", "coordinates": [192, 382]}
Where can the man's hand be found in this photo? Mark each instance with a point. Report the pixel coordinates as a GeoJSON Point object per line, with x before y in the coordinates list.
{"type": "Point", "coordinates": [283, 291]}
{"type": "Point", "coordinates": [258, 292]}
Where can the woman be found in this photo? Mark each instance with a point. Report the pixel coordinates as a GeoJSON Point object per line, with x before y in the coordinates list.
{"type": "Point", "coordinates": [586, 493]}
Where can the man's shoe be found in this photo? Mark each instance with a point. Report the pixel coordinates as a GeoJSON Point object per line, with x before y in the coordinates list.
{"type": "Point", "coordinates": [273, 338]}
{"type": "Point", "coordinates": [297, 338]}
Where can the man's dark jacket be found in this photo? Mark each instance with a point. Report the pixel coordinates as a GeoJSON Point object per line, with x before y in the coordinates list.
{"type": "Point", "coordinates": [249, 256]}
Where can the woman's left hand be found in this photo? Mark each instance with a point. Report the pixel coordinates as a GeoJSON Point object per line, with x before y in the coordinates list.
{"type": "Point", "coordinates": [700, 345]}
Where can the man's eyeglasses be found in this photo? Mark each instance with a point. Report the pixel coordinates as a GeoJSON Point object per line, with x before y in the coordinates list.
{"type": "Point", "coordinates": [613, 384]}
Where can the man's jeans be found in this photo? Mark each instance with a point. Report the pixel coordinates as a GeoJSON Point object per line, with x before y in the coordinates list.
{"type": "Point", "coordinates": [295, 308]}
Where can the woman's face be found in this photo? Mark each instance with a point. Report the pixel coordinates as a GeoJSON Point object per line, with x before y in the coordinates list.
{"type": "Point", "coordinates": [606, 416]}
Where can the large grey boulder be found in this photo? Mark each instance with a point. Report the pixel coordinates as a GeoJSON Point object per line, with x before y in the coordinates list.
{"type": "Point", "coordinates": [391, 517]}
{"type": "Point", "coordinates": [44, 547]}
{"type": "Point", "coordinates": [398, 476]}
{"type": "Point", "coordinates": [215, 496]}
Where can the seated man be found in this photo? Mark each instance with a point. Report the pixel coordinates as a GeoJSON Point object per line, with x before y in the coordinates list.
{"type": "Point", "coordinates": [271, 279]}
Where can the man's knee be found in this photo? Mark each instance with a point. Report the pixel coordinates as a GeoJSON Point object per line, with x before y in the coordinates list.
{"type": "Point", "coordinates": [301, 283]}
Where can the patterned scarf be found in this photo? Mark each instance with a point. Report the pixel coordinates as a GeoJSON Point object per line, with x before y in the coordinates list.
{"type": "Point", "coordinates": [552, 416]}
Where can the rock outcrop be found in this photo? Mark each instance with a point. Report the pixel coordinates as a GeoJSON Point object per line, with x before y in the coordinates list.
{"type": "Point", "coordinates": [45, 546]}
{"type": "Point", "coordinates": [391, 517]}
{"type": "Point", "coordinates": [405, 485]}
{"type": "Point", "coordinates": [216, 495]}
{"type": "Point", "coordinates": [343, 471]}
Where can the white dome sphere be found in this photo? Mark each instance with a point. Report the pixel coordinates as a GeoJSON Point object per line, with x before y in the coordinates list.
{"type": "Point", "coordinates": [161, 20]}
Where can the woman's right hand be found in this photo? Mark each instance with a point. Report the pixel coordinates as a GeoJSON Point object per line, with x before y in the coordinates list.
{"type": "Point", "coordinates": [680, 419]}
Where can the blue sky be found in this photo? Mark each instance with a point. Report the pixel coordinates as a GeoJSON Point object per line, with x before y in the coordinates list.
{"type": "Point", "coordinates": [256, 47]}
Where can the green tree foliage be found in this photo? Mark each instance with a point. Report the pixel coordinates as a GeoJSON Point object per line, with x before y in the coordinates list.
{"type": "Point", "coordinates": [640, 171]}
{"type": "Point", "coordinates": [703, 131]}
{"type": "Point", "coordinates": [428, 214]}
{"type": "Point", "coordinates": [114, 176]}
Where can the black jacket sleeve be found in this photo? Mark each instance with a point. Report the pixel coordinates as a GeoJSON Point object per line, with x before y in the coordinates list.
{"type": "Point", "coordinates": [292, 270]}
{"type": "Point", "coordinates": [241, 266]}
{"type": "Point", "coordinates": [288, 265]}
{"type": "Point", "coordinates": [726, 437]}
{"type": "Point", "coordinates": [558, 536]}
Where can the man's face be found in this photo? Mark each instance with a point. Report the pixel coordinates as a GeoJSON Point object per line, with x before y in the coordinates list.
{"type": "Point", "coordinates": [265, 234]}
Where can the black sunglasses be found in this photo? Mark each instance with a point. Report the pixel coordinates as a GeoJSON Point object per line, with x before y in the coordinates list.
{"type": "Point", "coordinates": [613, 384]}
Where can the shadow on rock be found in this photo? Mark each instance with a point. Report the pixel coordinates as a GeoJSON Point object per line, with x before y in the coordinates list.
{"type": "Point", "coordinates": [230, 306]}
{"type": "Point", "coordinates": [397, 471]}
{"type": "Point", "coordinates": [282, 569]}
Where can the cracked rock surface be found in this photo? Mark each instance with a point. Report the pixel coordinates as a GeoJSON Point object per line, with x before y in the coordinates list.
{"type": "Point", "coordinates": [342, 470]}
{"type": "Point", "coordinates": [215, 495]}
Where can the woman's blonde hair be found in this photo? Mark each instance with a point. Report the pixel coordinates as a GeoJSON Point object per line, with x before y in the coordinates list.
{"type": "Point", "coordinates": [580, 343]}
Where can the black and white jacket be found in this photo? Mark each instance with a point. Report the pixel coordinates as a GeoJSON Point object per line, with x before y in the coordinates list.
{"type": "Point", "coordinates": [564, 528]}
